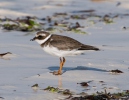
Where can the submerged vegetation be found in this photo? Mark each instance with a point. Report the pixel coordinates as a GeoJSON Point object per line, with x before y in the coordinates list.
{"type": "Point", "coordinates": [24, 24]}
{"type": "Point", "coordinates": [84, 96]}
{"type": "Point", "coordinates": [57, 90]}
{"type": "Point", "coordinates": [62, 22]}
{"type": "Point", "coordinates": [103, 96]}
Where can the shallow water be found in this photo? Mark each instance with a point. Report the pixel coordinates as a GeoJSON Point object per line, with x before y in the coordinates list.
{"type": "Point", "coordinates": [30, 65]}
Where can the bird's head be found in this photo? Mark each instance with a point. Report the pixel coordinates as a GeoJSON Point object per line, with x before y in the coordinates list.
{"type": "Point", "coordinates": [41, 37]}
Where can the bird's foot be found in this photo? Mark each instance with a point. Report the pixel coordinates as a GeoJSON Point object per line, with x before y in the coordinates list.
{"type": "Point", "coordinates": [56, 73]}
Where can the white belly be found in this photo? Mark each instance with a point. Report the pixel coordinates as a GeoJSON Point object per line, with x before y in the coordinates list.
{"type": "Point", "coordinates": [61, 53]}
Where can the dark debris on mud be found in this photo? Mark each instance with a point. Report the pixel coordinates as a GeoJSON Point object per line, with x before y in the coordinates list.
{"type": "Point", "coordinates": [103, 96]}
{"type": "Point", "coordinates": [117, 96]}
{"type": "Point", "coordinates": [62, 22]}
{"type": "Point", "coordinates": [3, 54]}
{"type": "Point", "coordinates": [84, 84]}
{"type": "Point", "coordinates": [35, 85]}
{"type": "Point", "coordinates": [84, 96]}
{"type": "Point", "coordinates": [116, 71]}
{"type": "Point", "coordinates": [57, 90]}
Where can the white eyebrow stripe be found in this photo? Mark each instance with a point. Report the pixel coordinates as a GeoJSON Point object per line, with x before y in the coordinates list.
{"type": "Point", "coordinates": [43, 34]}
{"type": "Point", "coordinates": [43, 41]}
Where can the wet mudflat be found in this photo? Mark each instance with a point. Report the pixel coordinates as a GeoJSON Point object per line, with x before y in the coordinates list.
{"type": "Point", "coordinates": [25, 67]}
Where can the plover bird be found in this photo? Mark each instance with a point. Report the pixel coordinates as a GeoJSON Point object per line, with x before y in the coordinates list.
{"type": "Point", "coordinates": [61, 46]}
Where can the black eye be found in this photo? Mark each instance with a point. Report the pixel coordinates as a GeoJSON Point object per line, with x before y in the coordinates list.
{"type": "Point", "coordinates": [40, 37]}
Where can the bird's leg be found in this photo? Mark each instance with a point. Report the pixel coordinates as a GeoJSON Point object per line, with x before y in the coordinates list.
{"type": "Point", "coordinates": [61, 65]}
{"type": "Point", "coordinates": [62, 61]}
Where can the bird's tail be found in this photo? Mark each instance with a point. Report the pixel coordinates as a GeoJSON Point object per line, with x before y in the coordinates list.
{"type": "Point", "coordinates": [88, 47]}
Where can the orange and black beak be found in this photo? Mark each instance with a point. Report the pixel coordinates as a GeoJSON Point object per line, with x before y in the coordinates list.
{"type": "Point", "coordinates": [33, 39]}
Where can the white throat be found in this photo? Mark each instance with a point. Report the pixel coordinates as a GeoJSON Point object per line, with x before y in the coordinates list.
{"type": "Point", "coordinates": [43, 41]}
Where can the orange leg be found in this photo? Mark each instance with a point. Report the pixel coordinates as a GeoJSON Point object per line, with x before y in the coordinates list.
{"type": "Point", "coordinates": [62, 61]}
